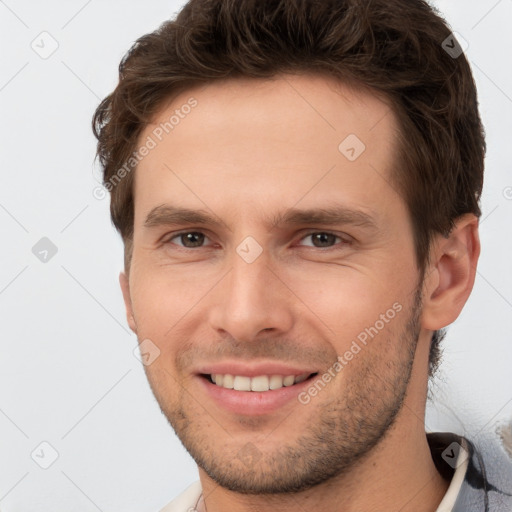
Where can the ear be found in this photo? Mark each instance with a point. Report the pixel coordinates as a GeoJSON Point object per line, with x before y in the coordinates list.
{"type": "Point", "coordinates": [125, 288]}
{"type": "Point", "coordinates": [450, 276]}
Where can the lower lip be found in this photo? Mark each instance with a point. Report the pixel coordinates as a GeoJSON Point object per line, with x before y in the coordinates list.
{"type": "Point", "coordinates": [253, 403]}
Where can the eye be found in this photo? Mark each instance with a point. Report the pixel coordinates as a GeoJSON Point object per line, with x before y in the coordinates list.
{"type": "Point", "coordinates": [321, 239]}
{"type": "Point", "coordinates": [188, 239]}
{"type": "Point", "coordinates": [197, 239]}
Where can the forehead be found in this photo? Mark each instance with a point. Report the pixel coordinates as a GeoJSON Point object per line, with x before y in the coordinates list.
{"type": "Point", "coordinates": [278, 141]}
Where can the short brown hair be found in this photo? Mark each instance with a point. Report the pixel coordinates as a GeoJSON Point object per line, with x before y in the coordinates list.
{"type": "Point", "coordinates": [402, 49]}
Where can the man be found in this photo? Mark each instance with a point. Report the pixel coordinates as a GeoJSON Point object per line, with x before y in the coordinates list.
{"type": "Point", "coordinates": [297, 186]}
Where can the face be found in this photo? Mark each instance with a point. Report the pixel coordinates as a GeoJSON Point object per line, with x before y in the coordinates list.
{"type": "Point", "coordinates": [273, 255]}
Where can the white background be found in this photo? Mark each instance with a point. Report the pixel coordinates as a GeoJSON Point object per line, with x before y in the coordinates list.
{"type": "Point", "coordinates": [68, 375]}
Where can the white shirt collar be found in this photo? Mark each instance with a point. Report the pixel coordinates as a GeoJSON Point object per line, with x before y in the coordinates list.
{"type": "Point", "coordinates": [449, 499]}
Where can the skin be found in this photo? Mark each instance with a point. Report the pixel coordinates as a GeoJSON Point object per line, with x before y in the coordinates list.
{"type": "Point", "coordinates": [247, 152]}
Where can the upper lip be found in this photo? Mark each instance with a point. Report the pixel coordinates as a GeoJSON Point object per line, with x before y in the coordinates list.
{"type": "Point", "coordinates": [253, 369]}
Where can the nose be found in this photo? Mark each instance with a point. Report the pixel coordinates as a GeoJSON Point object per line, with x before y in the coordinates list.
{"type": "Point", "coordinates": [251, 301]}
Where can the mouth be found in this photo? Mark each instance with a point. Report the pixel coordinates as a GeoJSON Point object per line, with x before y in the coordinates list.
{"type": "Point", "coordinates": [260, 388]}
{"type": "Point", "coordinates": [258, 384]}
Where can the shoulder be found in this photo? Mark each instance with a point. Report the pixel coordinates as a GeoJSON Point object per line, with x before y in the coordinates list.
{"type": "Point", "coordinates": [186, 501]}
{"type": "Point", "coordinates": [487, 476]}
{"type": "Point", "coordinates": [492, 461]}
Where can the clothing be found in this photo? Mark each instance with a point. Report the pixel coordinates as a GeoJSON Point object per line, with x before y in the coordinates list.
{"type": "Point", "coordinates": [487, 482]}
{"type": "Point", "coordinates": [480, 476]}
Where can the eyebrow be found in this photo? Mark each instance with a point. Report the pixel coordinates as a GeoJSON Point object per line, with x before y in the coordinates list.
{"type": "Point", "coordinates": [165, 214]}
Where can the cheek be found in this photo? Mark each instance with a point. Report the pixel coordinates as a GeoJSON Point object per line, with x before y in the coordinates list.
{"type": "Point", "coordinates": [162, 295]}
{"type": "Point", "coordinates": [347, 300]}
{"type": "Point", "coordinates": [340, 301]}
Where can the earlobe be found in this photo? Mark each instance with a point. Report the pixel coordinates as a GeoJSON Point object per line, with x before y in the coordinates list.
{"type": "Point", "coordinates": [125, 288]}
{"type": "Point", "coordinates": [449, 280]}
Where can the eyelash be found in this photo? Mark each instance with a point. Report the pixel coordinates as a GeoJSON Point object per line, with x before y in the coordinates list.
{"type": "Point", "coordinates": [343, 241]}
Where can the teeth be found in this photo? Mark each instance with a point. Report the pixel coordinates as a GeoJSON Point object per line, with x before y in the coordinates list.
{"type": "Point", "coordinates": [259, 383]}
{"type": "Point", "coordinates": [300, 378]}
{"type": "Point", "coordinates": [227, 381]}
{"type": "Point", "coordinates": [242, 383]}
{"type": "Point", "coordinates": [288, 381]}
{"type": "Point", "coordinates": [276, 382]}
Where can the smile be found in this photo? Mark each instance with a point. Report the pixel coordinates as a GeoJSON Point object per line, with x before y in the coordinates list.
{"type": "Point", "coordinates": [260, 383]}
